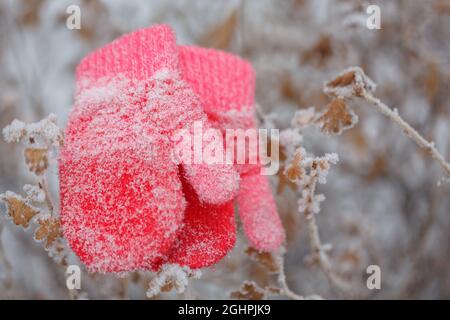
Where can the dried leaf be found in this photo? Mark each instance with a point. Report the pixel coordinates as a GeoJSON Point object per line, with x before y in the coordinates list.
{"type": "Point", "coordinates": [431, 82]}
{"type": "Point", "coordinates": [343, 80]}
{"type": "Point", "coordinates": [19, 210]}
{"type": "Point", "coordinates": [350, 256]}
{"type": "Point", "coordinates": [319, 53]}
{"type": "Point", "coordinates": [352, 82]}
{"type": "Point", "coordinates": [336, 118]}
{"type": "Point", "coordinates": [36, 159]}
{"type": "Point", "coordinates": [378, 168]}
{"type": "Point", "coordinates": [94, 10]}
{"type": "Point", "coordinates": [284, 182]}
{"type": "Point", "coordinates": [288, 90]}
{"type": "Point", "coordinates": [359, 140]}
{"type": "Point", "coordinates": [171, 277]}
{"type": "Point", "coordinates": [135, 277]}
{"type": "Point", "coordinates": [169, 285]}
{"type": "Point", "coordinates": [45, 132]}
{"type": "Point", "coordinates": [30, 12]}
{"type": "Point", "coordinates": [442, 7]}
{"type": "Point", "coordinates": [295, 171]}
{"type": "Point", "coordinates": [222, 35]}
{"type": "Point", "coordinates": [249, 291]}
{"type": "Point", "coordinates": [304, 117]}
{"type": "Point", "coordinates": [49, 230]}
{"type": "Point", "coordinates": [264, 258]}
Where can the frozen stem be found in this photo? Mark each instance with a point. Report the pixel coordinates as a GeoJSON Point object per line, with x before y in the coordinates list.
{"type": "Point", "coordinates": [353, 82]}
{"type": "Point", "coordinates": [306, 172]}
{"type": "Point", "coordinates": [317, 249]}
{"type": "Point", "coordinates": [43, 184]}
{"type": "Point", "coordinates": [412, 133]}
{"type": "Point", "coordinates": [273, 262]}
{"type": "Point", "coordinates": [284, 288]}
{"type": "Point", "coordinates": [171, 277]}
{"type": "Point", "coordinates": [7, 280]}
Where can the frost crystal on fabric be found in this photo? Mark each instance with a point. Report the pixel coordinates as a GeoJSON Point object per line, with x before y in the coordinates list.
{"type": "Point", "coordinates": [225, 85]}
{"type": "Point", "coordinates": [122, 203]}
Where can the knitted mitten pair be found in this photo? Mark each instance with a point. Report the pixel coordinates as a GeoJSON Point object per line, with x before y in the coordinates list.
{"type": "Point", "coordinates": [126, 202]}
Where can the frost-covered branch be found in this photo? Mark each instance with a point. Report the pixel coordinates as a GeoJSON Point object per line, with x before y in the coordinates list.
{"type": "Point", "coordinates": [306, 172]}
{"type": "Point", "coordinates": [353, 82]}
{"type": "Point", "coordinates": [171, 277]}
{"type": "Point", "coordinates": [39, 138]}
{"type": "Point", "coordinates": [284, 288]}
{"type": "Point", "coordinates": [273, 262]}
{"type": "Point", "coordinates": [412, 133]}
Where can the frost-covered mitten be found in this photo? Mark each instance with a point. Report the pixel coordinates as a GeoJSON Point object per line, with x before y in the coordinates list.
{"type": "Point", "coordinates": [225, 84]}
{"type": "Point", "coordinates": [121, 197]}
{"type": "Point", "coordinates": [208, 232]}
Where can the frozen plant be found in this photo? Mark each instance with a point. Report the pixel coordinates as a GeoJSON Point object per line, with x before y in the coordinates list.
{"type": "Point", "coordinates": [37, 207]}
{"type": "Point", "coordinates": [171, 277]}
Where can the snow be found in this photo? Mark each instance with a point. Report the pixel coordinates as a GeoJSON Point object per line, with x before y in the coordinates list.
{"type": "Point", "coordinates": [173, 275]}
{"type": "Point", "coordinates": [34, 193]}
{"type": "Point", "coordinates": [45, 130]}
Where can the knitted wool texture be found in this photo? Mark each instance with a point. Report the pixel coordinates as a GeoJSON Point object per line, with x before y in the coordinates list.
{"type": "Point", "coordinates": [122, 201]}
{"type": "Point", "coordinates": [226, 84]}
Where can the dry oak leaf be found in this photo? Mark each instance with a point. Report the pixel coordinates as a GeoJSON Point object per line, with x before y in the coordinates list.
{"type": "Point", "coordinates": [284, 182]}
{"type": "Point", "coordinates": [336, 118]}
{"type": "Point", "coordinates": [221, 36]}
{"type": "Point", "coordinates": [342, 80]}
{"type": "Point", "coordinates": [249, 291]}
{"type": "Point", "coordinates": [264, 258]}
{"type": "Point", "coordinates": [49, 230]}
{"type": "Point", "coordinates": [431, 82]}
{"type": "Point", "coordinates": [295, 171]}
{"type": "Point", "coordinates": [351, 257]}
{"type": "Point", "coordinates": [36, 160]}
{"type": "Point", "coordinates": [289, 91]}
{"type": "Point", "coordinates": [319, 54]}
{"type": "Point", "coordinates": [18, 209]}
{"type": "Point", "coordinates": [352, 82]}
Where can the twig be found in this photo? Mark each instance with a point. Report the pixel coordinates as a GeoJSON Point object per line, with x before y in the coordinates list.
{"type": "Point", "coordinates": [393, 115]}
{"type": "Point", "coordinates": [317, 248]}
{"type": "Point", "coordinates": [43, 184]}
{"type": "Point", "coordinates": [353, 82]}
{"type": "Point", "coordinates": [6, 264]}
{"type": "Point", "coordinates": [284, 288]}
{"type": "Point", "coordinates": [123, 289]}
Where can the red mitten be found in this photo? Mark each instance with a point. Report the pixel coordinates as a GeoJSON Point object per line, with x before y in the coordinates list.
{"type": "Point", "coordinates": [208, 232]}
{"type": "Point", "coordinates": [121, 198]}
{"type": "Point", "coordinates": [225, 85]}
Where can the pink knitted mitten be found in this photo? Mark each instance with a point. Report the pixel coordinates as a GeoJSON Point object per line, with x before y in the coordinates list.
{"type": "Point", "coordinates": [122, 203]}
{"type": "Point", "coordinates": [225, 85]}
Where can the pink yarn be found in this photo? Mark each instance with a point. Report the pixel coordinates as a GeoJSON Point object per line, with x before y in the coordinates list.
{"type": "Point", "coordinates": [122, 204]}
{"type": "Point", "coordinates": [126, 203]}
{"type": "Point", "coordinates": [225, 84]}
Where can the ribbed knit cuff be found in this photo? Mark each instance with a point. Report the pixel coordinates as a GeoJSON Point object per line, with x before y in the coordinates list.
{"type": "Point", "coordinates": [137, 55]}
{"type": "Point", "coordinates": [222, 81]}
